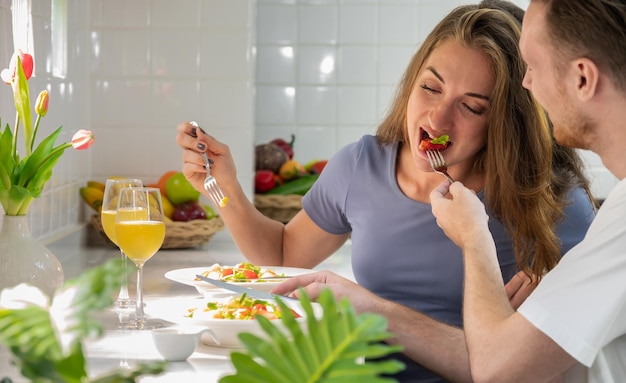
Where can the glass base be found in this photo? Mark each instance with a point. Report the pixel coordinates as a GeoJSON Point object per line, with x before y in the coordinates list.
{"type": "Point", "coordinates": [125, 303]}
{"type": "Point", "coordinates": [146, 324]}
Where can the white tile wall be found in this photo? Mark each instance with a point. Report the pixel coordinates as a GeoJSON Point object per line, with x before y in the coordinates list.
{"type": "Point", "coordinates": [164, 62]}
{"type": "Point", "coordinates": [346, 56]}
{"type": "Point", "coordinates": [247, 70]}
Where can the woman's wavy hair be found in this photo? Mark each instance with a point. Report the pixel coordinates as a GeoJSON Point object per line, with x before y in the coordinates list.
{"type": "Point", "coordinates": [527, 174]}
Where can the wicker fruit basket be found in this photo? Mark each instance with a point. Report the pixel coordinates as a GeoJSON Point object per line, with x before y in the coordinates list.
{"type": "Point", "coordinates": [180, 235]}
{"type": "Point", "coordinates": [278, 206]}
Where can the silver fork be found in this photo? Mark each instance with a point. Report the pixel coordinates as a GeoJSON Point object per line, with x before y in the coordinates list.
{"type": "Point", "coordinates": [438, 163]}
{"type": "Point", "coordinates": [211, 186]}
{"type": "Point", "coordinates": [210, 183]}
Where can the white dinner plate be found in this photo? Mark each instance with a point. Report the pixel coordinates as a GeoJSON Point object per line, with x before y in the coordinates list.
{"type": "Point", "coordinates": [187, 277]}
{"type": "Point", "coordinates": [226, 330]}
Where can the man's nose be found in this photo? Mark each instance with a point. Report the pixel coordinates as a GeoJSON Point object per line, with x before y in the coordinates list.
{"type": "Point", "coordinates": [527, 80]}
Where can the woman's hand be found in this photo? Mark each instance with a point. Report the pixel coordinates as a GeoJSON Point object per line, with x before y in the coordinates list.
{"type": "Point", "coordinates": [193, 140]}
{"type": "Point", "coordinates": [519, 288]}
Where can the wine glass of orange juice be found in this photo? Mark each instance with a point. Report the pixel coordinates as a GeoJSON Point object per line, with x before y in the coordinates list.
{"type": "Point", "coordinates": [140, 231]}
{"type": "Point", "coordinates": [107, 217]}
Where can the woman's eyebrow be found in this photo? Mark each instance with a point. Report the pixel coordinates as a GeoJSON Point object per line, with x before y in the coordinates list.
{"type": "Point", "coordinates": [471, 94]}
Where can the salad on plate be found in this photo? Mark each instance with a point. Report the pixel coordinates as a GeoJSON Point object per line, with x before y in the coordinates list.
{"type": "Point", "coordinates": [238, 308]}
{"type": "Point", "coordinates": [242, 272]}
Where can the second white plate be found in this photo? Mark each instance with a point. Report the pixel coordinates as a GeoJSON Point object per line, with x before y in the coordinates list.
{"type": "Point", "coordinates": [175, 310]}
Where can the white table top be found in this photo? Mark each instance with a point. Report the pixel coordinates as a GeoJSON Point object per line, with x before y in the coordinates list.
{"type": "Point", "coordinates": [118, 348]}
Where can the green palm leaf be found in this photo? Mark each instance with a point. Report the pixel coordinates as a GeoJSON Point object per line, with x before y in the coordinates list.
{"type": "Point", "coordinates": [334, 349]}
{"type": "Point", "coordinates": [37, 352]}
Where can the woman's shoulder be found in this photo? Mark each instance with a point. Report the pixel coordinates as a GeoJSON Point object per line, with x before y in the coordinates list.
{"type": "Point", "coordinates": [364, 156]}
{"type": "Point", "coordinates": [579, 205]}
{"type": "Point", "coordinates": [368, 146]}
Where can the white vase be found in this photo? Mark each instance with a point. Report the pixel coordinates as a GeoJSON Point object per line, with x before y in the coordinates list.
{"type": "Point", "coordinates": [24, 260]}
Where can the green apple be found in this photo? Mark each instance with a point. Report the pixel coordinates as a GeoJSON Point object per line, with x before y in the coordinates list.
{"type": "Point", "coordinates": [210, 213]}
{"type": "Point", "coordinates": [179, 190]}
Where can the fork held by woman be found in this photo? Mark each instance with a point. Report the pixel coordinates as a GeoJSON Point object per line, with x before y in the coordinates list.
{"type": "Point", "coordinates": [210, 183]}
{"type": "Point", "coordinates": [211, 186]}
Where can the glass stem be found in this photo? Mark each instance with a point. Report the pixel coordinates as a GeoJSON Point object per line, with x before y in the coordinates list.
{"type": "Point", "coordinates": [123, 295]}
{"type": "Point", "coordinates": [139, 311]}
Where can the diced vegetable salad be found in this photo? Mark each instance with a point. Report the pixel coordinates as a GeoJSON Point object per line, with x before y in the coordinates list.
{"type": "Point", "coordinates": [239, 308]}
{"type": "Point", "coordinates": [242, 272]}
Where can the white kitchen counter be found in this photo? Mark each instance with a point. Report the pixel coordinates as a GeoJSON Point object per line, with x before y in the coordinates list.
{"type": "Point", "coordinates": [118, 348]}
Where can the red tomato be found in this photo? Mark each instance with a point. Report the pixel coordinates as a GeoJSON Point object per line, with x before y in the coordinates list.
{"type": "Point", "coordinates": [264, 181]}
{"type": "Point", "coordinates": [249, 274]}
{"type": "Point", "coordinates": [317, 167]}
{"type": "Point", "coordinates": [227, 272]}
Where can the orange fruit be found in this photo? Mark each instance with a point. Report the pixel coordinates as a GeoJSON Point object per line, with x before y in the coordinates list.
{"type": "Point", "coordinates": [163, 180]}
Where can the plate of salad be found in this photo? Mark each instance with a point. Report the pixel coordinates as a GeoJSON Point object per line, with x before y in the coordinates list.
{"type": "Point", "coordinates": [227, 316]}
{"type": "Point", "coordinates": [244, 274]}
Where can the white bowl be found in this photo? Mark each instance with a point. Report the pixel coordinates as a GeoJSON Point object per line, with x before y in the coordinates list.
{"type": "Point", "coordinates": [177, 343]}
{"type": "Point", "coordinates": [226, 331]}
{"type": "Point", "coordinates": [187, 277]}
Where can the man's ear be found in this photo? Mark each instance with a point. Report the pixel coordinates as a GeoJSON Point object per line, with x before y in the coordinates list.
{"type": "Point", "coordinates": [587, 77]}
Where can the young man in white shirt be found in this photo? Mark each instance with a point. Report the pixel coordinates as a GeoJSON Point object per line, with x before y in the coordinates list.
{"type": "Point", "coordinates": [574, 323]}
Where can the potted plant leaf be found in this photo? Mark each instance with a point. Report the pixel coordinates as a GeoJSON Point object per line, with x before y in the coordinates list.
{"type": "Point", "coordinates": [339, 347]}
{"type": "Point", "coordinates": [46, 338]}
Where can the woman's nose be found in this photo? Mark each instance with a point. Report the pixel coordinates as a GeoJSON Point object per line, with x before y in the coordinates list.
{"type": "Point", "coordinates": [441, 116]}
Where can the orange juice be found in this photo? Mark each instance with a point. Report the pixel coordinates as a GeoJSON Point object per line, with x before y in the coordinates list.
{"type": "Point", "coordinates": [132, 214]}
{"type": "Point", "coordinates": [108, 224]}
{"type": "Point", "coordinates": [140, 240]}
{"type": "Point", "coordinates": [108, 219]}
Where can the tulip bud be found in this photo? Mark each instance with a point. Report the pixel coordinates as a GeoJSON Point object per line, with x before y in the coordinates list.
{"type": "Point", "coordinates": [41, 106]}
{"type": "Point", "coordinates": [82, 139]}
{"type": "Point", "coordinates": [27, 63]}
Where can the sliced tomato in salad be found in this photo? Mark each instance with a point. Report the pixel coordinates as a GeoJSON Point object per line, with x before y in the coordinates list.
{"type": "Point", "coordinates": [226, 271]}
{"type": "Point", "coordinates": [249, 274]}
